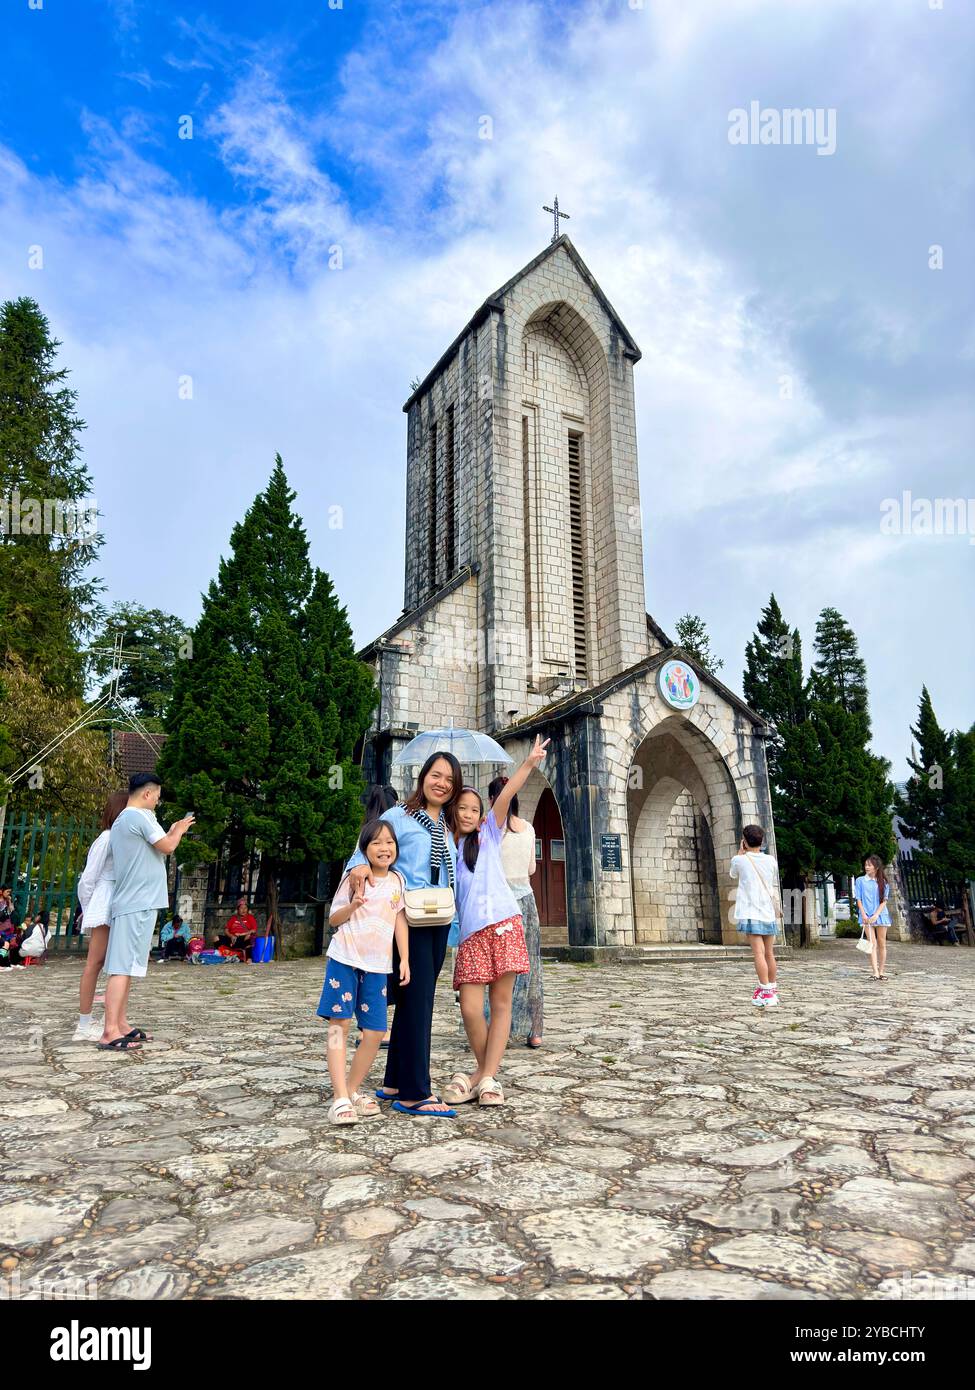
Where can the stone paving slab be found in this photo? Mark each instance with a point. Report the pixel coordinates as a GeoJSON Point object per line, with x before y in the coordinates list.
{"type": "Point", "coordinates": [668, 1142]}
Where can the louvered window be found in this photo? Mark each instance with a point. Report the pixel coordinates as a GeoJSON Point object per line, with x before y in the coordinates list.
{"type": "Point", "coordinates": [432, 510]}
{"type": "Point", "coordinates": [448, 505]}
{"type": "Point", "coordinates": [529, 535]}
{"type": "Point", "coordinates": [578, 567]}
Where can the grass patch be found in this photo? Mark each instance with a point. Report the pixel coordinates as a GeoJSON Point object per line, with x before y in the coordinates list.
{"type": "Point", "coordinates": [610, 1061]}
{"type": "Point", "coordinates": [616, 1006]}
{"type": "Point", "coordinates": [225, 989]}
{"type": "Point", "coordinates": [793, 1027]}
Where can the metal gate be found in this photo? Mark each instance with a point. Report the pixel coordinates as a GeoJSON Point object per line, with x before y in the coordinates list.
{"type": "Point", "coordinates": [40, 861]}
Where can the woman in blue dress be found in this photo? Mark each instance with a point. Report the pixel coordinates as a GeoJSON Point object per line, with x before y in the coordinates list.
{"type": "Point", "coordinates": [427, 859]}
{"type": "Point", "coordinates": [872, 890]}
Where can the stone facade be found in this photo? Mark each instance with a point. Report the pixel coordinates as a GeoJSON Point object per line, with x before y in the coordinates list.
{"type": "Point", "coordinates": [525, 612]}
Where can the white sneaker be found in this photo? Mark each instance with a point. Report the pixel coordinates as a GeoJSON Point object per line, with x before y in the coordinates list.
{"type": "Point", "coordinates": [88, 1032]}
{"type": "Point", "coordinates": [769, 999]}
{"type": "Point", "coordinates": [757, 997]}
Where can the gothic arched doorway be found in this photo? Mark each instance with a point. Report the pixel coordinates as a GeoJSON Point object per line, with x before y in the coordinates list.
{"type": "Point", "coordinates": [683, 819]}
{"type": "Point", "coordinates": [548, 880]}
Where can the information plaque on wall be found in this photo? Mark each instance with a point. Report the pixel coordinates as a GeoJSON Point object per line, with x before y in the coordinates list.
{"type": "Point", "coordinates": [612, 853]}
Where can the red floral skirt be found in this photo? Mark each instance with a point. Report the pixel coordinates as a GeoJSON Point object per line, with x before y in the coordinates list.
{"type": "Point", "coordinates": [493, 951]}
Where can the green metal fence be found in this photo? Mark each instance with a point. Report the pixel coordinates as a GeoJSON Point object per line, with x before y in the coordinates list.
{"type": "Point", "coordinates": [41, 860]}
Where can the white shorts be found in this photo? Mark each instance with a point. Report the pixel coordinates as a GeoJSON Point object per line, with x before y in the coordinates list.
{"type": "Point", "coordinates": [129, 942]}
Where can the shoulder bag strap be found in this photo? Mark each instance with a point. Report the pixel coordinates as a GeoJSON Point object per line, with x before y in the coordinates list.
{"type": "Point", "coordinates": [761, 878]}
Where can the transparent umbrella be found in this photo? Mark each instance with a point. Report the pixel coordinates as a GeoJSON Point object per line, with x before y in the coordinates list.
{"type": "Point", "coordinates": [467, 746]}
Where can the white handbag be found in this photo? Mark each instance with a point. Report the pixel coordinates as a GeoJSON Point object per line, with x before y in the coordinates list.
{"type": "Point", "coordinates": [429, 907]}
{"type": "Point", "coordinates": [863, 944]}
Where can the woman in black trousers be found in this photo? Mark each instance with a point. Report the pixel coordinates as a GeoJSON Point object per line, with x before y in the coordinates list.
{"type": "Point", "coordinates": [426, 859]}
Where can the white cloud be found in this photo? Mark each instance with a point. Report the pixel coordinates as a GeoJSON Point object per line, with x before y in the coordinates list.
{"type": "Point", "coordinates": [623, 114]}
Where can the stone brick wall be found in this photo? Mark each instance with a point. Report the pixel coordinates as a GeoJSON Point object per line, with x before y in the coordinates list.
{"type": "Point", "coordinates": [555, 358]}
{"type": "Point", "coordinates": [623, 773]}
{"type": "Point", "coordinates": [431, 667]}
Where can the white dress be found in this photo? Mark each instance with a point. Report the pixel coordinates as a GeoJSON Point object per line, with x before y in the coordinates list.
{"type": "Point", "coordinates": [97, 884]}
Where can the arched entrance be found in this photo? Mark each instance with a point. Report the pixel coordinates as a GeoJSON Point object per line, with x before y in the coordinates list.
{"type": "Point", "coordinates": [684, 820]}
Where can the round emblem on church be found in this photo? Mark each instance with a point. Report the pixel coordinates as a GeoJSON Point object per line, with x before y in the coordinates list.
{"type": "Point", "coordinates": [678, 684]}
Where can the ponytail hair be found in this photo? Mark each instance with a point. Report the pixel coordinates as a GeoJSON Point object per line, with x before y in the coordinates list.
{"type": "Point", "coordinates": [878, 864]}
{"type": "Point", "coordinates": [494, 791]}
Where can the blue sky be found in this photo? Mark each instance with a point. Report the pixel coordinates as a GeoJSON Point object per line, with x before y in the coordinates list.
{"type": "Point", "coordinates": [736, 268]}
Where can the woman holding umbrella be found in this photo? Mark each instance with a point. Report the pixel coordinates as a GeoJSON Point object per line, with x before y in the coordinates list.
{"type": "Point", "coordinates": [427, 858]}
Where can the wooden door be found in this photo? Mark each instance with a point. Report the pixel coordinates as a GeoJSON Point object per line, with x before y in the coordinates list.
{"type": "Point", "coordinates": [548, 880]}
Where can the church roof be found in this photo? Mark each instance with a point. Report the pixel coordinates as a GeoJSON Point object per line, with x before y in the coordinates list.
{"type": "Point", "coordinates": [495, 304]}
{"type": "Point", "coordinates": [656, 631]}
{"type": "Point", "coordinates": [410, 615]}
{"type": "Point", "coordinates": [568, 704]}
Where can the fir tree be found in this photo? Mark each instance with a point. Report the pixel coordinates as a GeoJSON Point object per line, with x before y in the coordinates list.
{"type": "Point", "coordinates": [850, 795]}
{"type": "Point", "coordinates": [692, 634]}
{"type": "Point", "coordinates": [773, 683]}
{"type": "Point", "coordinates": [839, 672]}
{"type": "Point", "coordinates": [265, 715]}
{"type": "Point", "coordinates": [921, 806]}
{"type": "Point", "coordinates": [46, 601]}
{"type": "Point", "coordinates": [955, 849]}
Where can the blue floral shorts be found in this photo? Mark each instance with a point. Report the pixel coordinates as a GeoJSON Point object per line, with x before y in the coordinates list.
{"type": "Point", "coordinates": [348, 991]}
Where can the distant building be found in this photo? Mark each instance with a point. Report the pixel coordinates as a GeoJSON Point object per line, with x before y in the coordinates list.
{"type": "Point", "coordinates": [129, 752]}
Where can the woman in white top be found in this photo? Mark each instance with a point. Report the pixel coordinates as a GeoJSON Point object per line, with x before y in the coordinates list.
{"type": "Point", "coordinates": [95, 888]}
{"type": "Point", "coordinates": [757, 910]}
{"type": "Point", "coordinates": [518, 861]}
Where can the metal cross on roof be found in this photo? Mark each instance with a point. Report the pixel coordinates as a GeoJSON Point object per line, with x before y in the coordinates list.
{"type": "Point", "coordinates": [557, 215]}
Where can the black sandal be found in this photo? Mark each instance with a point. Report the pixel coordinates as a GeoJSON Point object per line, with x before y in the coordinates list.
{"type": "Point", "coordinates": [139, 1035]}
{"type": "Point", "coordinates": [126, 1044]}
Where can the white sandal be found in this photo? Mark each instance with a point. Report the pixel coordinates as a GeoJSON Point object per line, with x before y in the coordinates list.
{"type": "Point", "coordinates": [365, 1107]}
{"type": "Point", "coordinates": [459, 1089]}
{"type": "Point", "coordinates": [342, 1112]}
{"type": "Point", "coordinates": [490, 1089]}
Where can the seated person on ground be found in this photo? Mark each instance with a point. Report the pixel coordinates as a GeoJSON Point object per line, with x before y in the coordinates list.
{"type": "Point", "coordinates": [33, 943]}
{"type": "Point", "coordinates": [940, 920]}
{"type": "Point", "coordinates": [9, 944]}
{"type": "Point", "coordinates": [175, 938]}
{"type": "Point", "coordinates": [241, 929]}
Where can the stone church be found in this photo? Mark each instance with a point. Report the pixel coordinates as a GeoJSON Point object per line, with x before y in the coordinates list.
{"type": "Point", "coordinates": [525, 613]}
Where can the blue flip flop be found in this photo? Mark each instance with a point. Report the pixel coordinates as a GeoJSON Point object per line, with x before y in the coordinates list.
{"type": "Point", "coordinates": [384, 1095]}
{"type": "Point", "coordinates": [425, 1114]}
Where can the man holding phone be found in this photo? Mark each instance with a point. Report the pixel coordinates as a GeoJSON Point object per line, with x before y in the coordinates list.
{"type": "Point", "coordinates": [139, 849]}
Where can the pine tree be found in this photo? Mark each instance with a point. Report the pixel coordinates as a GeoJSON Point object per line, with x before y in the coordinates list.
{"type": "Point", "coordinates": [921, 806]}
{"type": "Point", "coordinates": [692, 634]}
{"type": "Point", "coordinates": [773, 682]}
{"type": "Point", "coordinates": [851, 796]}
{"type": "Point", "coordinates": [955, 848]}
{"type": "Point", "coordinates": [830, 795]}
{"type": "Point", "coordinates": [46, 601]}
{"type": "Point", "coordinates": [839, 671]}
{"type": "Point", "coordinates": [265, 716]}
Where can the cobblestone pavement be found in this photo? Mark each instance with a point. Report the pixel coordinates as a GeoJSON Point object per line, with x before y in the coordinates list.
{"type": "Point", "coordinates": [668, 1141]}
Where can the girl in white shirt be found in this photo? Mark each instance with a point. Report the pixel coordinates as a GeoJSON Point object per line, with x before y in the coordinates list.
{"type": "Point", "coordinates": [757, 910]}
{"type": "Point", "coordinates": [95, 888]}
